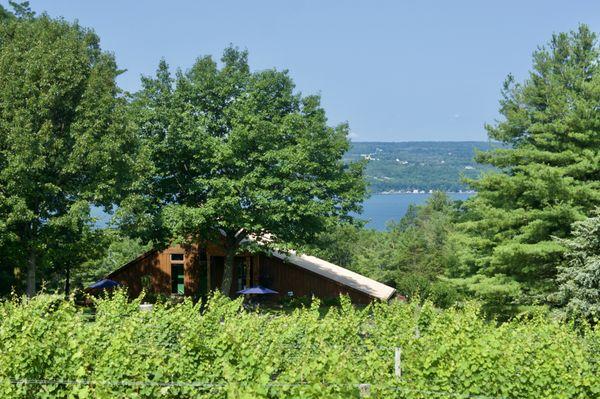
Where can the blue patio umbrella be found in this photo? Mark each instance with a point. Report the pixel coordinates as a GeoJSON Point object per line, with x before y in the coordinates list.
{"type": "Point", "coordinates": [257, 290]}
{"type": "Point", "coordinates": [105, 283]}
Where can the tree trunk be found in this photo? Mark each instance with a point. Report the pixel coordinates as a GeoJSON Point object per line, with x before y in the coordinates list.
{"type": "Point", "coordinates": [228, 270]}
{"type": "Point", "coordinates": [31, 268]}
{"type": "Point", "coordinates": [68, 282]}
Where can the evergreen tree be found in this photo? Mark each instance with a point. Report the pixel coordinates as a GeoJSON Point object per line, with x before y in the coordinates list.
{"type": "Point", "coordinates": [579, 280]}
{"type": "Point", "coordinates": [547, 179]}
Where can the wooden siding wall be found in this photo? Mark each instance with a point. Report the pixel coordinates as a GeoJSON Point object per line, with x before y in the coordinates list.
{"type": "Point", "coordinates": [285, 277]}
{"type": "Point", "coordinates": [157, 267]}
{"type": "Point", "coordinates": [268, 271]}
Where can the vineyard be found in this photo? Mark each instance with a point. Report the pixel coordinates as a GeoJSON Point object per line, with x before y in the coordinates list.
{"type": "Point", "coordinates": [50, 348]}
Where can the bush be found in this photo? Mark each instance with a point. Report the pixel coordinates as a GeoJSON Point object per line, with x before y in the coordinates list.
{"type": "Point", "coordinates": [440, 293]}
{"type": "Point", "coordinates": [52, 349]}
{"type": "Point", "coordinates": [295, 301]}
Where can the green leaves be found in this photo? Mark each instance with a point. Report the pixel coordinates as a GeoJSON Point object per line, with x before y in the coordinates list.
{"type": "Point", "coordinates": [218, 350]}
{"type": "Point", "coordinates": [411, 255]}
{"type": "Point", "coordinates": [579, 289]}
{"type": "Point", "coordinates": [548, 178]}
{"type": "Point", "coordinates": [64, 142]}
{"type": "Point", "coordinates": [235, 153]}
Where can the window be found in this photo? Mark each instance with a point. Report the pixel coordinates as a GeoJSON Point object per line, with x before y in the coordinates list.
{"type": "Point", "coordinates": [176, 257]}
{"type": "Point", "coordinates": [177, 274]}
{"type": "Point", "coordinates": [177, 279]}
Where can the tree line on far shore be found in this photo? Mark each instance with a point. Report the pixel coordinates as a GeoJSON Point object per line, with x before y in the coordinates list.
{"type": "Point", "coordinates": [420, 165]}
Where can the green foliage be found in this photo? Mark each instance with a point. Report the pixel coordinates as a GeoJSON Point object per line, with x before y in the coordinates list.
{"type": "Point", "coordinates": [236, 154]}
{"type": "Point", "coordinates": [547, 180]}
{"type": "Point", "coordinates": [410, 256]}
{"type": "Point", "coordinates": [420, 165]}
{"type": "Point", "coordinates": [63, 142]}
{"type": "Point", "coordinates": [21, 9]}
{"type": "Point", "coordinates": [5, 14]}
{"type": "Point", "coordinates": [51, 349]}
{"type": "Point", "coordinates": [113, 250]}
{"type": "Point", "coordinates": [579, 279]}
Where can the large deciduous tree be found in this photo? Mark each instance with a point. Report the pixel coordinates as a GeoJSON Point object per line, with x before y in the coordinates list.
{"type": "Point", "coordinates": [63, 141]}
{"type": "Point", "coordinates": [237, 154]}
{"type": "Point", "coordinates": [547, 179]}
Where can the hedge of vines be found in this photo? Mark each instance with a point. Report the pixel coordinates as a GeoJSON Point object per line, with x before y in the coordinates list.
{"type": "Point", "coordinates": [50, 348]}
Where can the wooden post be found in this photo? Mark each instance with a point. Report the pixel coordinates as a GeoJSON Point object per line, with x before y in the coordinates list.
{"type": "Point", "coordinates": [398, 362]}
{"type": "Point", "coordinates": [364, 390]}
{"type": "Point", "coordinates": [208, 265]}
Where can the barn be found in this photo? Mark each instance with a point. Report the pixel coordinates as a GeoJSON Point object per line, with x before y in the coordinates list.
{"type": "Point", "coordinates": [194, 270]}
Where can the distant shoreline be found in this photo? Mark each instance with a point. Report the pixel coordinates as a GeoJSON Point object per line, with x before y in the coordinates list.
{"type": "Point", "coordinates": [396, 192]}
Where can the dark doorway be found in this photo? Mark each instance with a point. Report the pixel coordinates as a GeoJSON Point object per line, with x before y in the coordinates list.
{"type": "Point", "coordinates": [240, 275]}
{"type": "Point", "coordinates": [217, 264]}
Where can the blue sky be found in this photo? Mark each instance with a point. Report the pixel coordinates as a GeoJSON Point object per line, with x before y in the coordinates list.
{"type": "Point", "coordinates": [395, 70]}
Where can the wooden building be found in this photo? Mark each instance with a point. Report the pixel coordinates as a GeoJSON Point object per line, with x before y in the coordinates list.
{"type": "Point", "coordinates": [194, 271]}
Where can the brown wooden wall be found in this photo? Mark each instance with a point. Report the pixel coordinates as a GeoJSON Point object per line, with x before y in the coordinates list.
{"type": "Point", "coordinates": [156, 266]}
{"type": "Point", "coordinates": [265, 270]}
{"type": "Point", "coordinates": [287, 277]}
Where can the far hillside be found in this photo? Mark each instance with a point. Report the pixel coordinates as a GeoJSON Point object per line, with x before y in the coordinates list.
{"type": "Point", "coordinates": [420, 165]}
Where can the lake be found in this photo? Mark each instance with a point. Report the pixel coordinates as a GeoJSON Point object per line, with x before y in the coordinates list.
{"type": "Point", "coordinates": [381, 208]}
{"type": "Point", "coordinates": [378, 209]}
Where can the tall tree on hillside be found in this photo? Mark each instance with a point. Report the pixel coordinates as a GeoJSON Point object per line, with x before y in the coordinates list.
{"type": "Point", "coordinates": [62, 139]}
{"type": "Point", "coordinates": [549, 178]}
{"type": "Point", "coordinates": [579, 280]}
{"type": "Point", "coordinates": [239, 154]}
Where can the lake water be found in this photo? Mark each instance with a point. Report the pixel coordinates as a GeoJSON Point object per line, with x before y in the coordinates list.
{"type": "Point", "coordinates": [378, 209]}
{"type": "Point", "coordinates": [381, 208]}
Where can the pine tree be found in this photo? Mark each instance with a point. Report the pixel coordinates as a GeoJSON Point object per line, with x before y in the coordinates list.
{"type": "Point", "coordinates": [548, 178]}
{"type": "Point", "coordinates": [580, 279]}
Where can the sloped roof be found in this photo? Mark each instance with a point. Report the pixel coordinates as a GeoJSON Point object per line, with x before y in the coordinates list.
{"type": "Point", "coordinates": [338, 274]}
